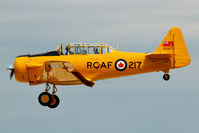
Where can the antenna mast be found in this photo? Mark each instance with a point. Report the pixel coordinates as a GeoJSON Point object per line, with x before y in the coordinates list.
{"type": "Point", "coordinates": [117, 44]}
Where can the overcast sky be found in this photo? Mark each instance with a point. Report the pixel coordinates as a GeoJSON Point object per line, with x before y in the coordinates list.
{"type": "Point", "coordinates": [141, 104]}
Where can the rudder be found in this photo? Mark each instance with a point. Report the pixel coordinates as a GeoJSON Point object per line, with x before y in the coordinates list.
{"type": "Point", "coordinates": [174, 45]}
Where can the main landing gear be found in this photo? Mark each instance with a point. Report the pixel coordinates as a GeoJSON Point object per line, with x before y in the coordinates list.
{"type": "Point", "coordinates": [46, 99]}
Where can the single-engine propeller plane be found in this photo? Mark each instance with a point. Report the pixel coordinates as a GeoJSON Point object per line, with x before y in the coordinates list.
{"type": "Point", "coordinates": [85, 64]}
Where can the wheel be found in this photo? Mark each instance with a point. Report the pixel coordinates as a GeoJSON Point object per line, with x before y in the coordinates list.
{"type": "Point", "coordinates": [166, 77]}
{"type": "Point", "coordinates": [45, 98]}
{"type": "Point", "coordinates": [55, 102]}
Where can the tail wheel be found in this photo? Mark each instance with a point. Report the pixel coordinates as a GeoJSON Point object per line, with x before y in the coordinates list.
{"type": "Point", "coordinates": [55, 101]}
{"type": "Point", "coordinates": [166, 77]}
{"type": "Point", "coordinates": [45, 98]}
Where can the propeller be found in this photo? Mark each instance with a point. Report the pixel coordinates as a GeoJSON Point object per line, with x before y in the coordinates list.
{"type": "Point", "coordinates": [11, 70]}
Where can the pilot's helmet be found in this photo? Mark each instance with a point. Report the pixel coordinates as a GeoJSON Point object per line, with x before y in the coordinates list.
{"type": "Point", "coordinates": [67, 48]}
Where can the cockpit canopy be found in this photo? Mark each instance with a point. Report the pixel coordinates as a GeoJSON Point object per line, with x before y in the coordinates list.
{"type": "Point", "coordinates": [81, 48]}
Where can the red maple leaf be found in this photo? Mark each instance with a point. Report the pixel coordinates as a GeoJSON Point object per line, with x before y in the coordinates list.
{"type": "Point", "coordinates": [121, 64]}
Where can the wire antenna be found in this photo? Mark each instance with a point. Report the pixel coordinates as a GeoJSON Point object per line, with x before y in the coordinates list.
{"type": "Point", "coordinates": [156, 41]}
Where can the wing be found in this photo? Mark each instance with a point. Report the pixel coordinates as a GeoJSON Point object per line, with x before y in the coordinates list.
{"type": "Point", "coordinates": [63, 73]}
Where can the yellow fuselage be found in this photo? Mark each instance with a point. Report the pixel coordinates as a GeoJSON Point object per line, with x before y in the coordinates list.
{"type": "Point", "coordinates": [92, 66]}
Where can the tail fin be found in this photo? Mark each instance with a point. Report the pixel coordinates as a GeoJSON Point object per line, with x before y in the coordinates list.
{"type": "Point", "coordinates": [174, 45]}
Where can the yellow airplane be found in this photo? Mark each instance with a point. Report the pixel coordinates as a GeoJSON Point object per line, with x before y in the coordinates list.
{"type": "Point", "coordinates": [84, 64]}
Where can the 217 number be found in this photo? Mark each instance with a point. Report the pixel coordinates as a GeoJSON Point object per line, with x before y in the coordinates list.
{"type": "Point", "coordinates": [134, 64]}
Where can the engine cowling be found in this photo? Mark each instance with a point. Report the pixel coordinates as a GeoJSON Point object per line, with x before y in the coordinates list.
{"type": "Point", "coordinates": [21, 71]}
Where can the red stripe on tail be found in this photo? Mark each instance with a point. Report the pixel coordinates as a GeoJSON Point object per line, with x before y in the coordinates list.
{"type": "Point", "coordinates": [168, 44]}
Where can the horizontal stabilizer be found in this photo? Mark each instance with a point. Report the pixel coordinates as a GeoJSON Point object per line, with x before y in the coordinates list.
{"type": "Point", "coordinates": [158, 56]}
{"type": "Point", "coordinates": [160, 61]}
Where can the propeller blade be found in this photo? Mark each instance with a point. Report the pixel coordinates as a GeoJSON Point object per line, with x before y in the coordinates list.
{"type": "Point", "coordinates": [11, 71]}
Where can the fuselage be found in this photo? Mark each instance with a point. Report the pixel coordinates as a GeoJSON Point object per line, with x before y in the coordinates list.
{"type": "Point", "coordinates": [92, 66]}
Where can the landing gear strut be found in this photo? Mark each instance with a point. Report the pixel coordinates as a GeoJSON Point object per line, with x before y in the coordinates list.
{"type": "Point", "coordinates": [166, 76]}
{"type": "Point", "coordinates": [55, 99]}
{"type": "Point", "coordinates": [46, 99]}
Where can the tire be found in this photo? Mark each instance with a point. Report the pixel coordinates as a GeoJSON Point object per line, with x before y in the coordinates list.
{"type": "Point", "coordinates": [166, 77]}
{"type": "Point", "coordinates": [55, 102]}
{"type": "Point", "coordinates": [45, 98]}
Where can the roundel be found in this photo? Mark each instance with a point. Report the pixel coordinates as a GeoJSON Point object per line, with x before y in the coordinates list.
{"type": "Point", "coordinates": [120, 65]}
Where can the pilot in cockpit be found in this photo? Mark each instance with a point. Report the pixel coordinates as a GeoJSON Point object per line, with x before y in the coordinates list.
{"type": "Point", "coordinates": [95, 50]}
{"type": "Point", "coordinates": [67, 50]}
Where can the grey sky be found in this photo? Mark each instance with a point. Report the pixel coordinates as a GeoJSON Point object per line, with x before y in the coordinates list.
{"type": "Point", "coordinates": [142, 103]}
